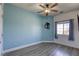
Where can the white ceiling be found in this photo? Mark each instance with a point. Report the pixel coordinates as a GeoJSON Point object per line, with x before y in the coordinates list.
{"type": "Point", "coordinates": [33, 7]}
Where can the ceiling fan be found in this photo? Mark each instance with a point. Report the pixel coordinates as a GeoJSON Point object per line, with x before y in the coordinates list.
{"type": "Point", "coordinates": [47, 8]}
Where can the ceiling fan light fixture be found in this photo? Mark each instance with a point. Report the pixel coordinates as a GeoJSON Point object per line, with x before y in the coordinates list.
{"type": "Point", "coordinates": [48, 8]}
{"type": "Point", "coordinates": [47, 11]}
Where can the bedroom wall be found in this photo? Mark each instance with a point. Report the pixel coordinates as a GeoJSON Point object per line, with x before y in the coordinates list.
{"type": "Point", "coordinates": [64, 40]}
{"type": "Point", "coordinates": [47, 34]}
{"type": "Point", "coordinates": [21, 27]}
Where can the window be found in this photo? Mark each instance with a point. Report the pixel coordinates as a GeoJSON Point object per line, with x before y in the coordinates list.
{"type": "Point", "coordinates": [59, 28]}
{"type": "Point", "coordinates": [63, 28]}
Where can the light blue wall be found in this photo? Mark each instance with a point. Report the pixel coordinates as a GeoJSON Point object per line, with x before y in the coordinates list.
{"type": "Point", "coordinates": [21, 27]}
{"type": "Point", "coordinates": [47, 34]}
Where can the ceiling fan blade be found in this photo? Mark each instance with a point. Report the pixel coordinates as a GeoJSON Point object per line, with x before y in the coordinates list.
{"type": "Point", "coordinates": [54, 5]}
{"type": "Point", "coordinates": [40, 11]}
{"type": "Point", "coordinates": [54, 10]}
{"type": "Point", "coordinates": [42, 6]}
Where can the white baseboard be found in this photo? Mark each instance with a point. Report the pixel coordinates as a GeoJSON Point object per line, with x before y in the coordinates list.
{"type": "Point", "coordinates": [24, 46]}
{"type": "Point", "coordinates": [60, 44]}
{"type": "Point", "coordinates": [20, 47]}
{"type": "Point", "coordinates": [47, 41]}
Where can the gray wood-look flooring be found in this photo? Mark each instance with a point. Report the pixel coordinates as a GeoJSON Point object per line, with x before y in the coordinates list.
{"type": "Point", "coordinates": [45, 49]}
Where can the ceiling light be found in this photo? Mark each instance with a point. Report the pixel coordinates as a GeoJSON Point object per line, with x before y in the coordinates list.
{"type": "Point", "coordinates": [47, 11]}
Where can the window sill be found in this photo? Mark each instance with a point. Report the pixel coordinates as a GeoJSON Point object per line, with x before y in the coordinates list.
{"type": "Point", "coordinates": [62, 35]}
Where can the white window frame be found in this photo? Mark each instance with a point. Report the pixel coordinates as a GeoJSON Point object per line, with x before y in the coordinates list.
{"type": "Point", "coordinates": [62, 22]}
